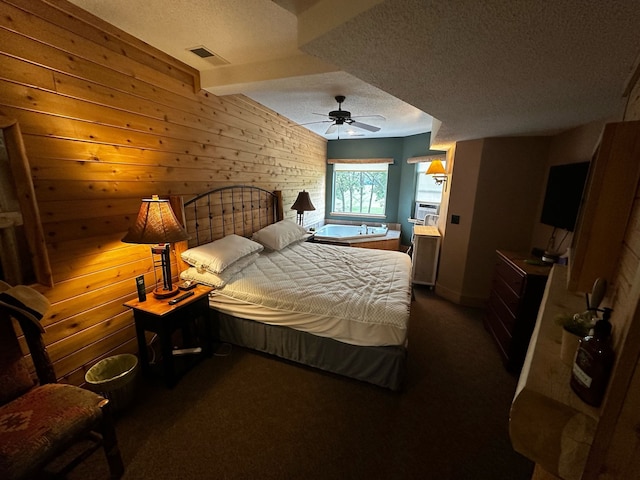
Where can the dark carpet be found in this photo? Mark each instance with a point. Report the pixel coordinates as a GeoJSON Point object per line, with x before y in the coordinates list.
{"type": "Point", "coordinates": [251, 416]}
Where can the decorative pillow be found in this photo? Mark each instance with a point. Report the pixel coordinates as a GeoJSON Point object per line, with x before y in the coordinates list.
{"type": "Point", "coordinates": [218, 280]}
{"type": "Point", "coordinates": [280, 234]}
{"type": "Point", "coordinates": [216, 256]}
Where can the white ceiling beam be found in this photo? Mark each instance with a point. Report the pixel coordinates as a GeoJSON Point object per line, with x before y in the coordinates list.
{"type": "Point", "coordinates": [231, 79]}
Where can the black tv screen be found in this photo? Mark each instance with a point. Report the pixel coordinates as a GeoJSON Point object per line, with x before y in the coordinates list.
{"type": "Point", "coordinates": [564, 195]}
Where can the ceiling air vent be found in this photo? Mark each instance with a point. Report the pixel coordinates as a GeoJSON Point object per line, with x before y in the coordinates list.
{"type": "Point", "coordinates": [202, 52]}
{"type": "Point", "coordinates": [208, 55]}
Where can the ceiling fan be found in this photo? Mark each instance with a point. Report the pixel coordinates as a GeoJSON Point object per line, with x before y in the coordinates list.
{"type": "Point", "coordinates": [341, 117]}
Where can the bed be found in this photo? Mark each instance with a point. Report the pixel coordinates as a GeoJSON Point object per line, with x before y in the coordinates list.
{"type": "Point", "coordinates": [341, 309]}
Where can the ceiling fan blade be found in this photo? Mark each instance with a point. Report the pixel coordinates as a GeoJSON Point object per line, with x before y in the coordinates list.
{"type": "Point", "coordinates": [331, 129]}
{"type": "Point", "coordinates": [364, 126]}
{"type": "Point", "coordinates": [377, 117]}
{"type": "Point", "coordinates": [319, 121]}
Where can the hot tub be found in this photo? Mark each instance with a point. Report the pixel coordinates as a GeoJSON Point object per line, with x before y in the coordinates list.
{"type": "Point", "coordinates": [340, 233]}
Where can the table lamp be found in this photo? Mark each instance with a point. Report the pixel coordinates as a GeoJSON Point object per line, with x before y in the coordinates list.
{"type": "Point", "coordinates": [301, 205]}
{"type": "Point", "coordinates": [157, 224]}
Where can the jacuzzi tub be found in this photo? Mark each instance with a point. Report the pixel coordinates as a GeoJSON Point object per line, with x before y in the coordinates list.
{"type": "Point", "coordinates": [337, 233]}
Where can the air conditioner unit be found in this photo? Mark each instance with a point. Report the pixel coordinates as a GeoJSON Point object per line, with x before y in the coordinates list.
{"type": "Point", "coordinates": [423, 209]}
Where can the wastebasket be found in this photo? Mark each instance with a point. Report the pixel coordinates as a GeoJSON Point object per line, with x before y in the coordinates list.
{"type": "Point", "coordinates": [114, 378]}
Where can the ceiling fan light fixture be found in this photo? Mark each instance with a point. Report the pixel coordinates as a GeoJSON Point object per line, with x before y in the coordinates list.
{"type": "Point", "coordinates": [341, 117]}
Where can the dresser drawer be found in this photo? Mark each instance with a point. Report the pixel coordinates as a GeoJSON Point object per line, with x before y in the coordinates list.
{"type": "Point", "coordinates": [511, 276]}
{"type": "Point", "coordinates": [502, 312]}
{"type": "Point", "coordinates": [516, 291]}
{"type": "Point", "coordinates": [499, 333]}
{"type": "Point", "coordinates": [510, 298]}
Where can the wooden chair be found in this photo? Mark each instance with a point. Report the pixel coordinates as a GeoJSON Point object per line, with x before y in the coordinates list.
{"type": "Point", "coordinates": [40, 421]}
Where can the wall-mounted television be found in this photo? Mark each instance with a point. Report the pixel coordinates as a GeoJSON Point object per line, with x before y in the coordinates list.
{"type": "Point", "coordinates": [563, 196]}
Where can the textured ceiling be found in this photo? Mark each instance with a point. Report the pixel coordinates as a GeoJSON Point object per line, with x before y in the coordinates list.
{"type": "Point", "coordinates": [494, 68]}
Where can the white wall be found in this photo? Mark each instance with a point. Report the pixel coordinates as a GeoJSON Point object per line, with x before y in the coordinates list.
{"type": "Point", "coordinates": [462, 192]}
{"type": "Point", "coordinates": [495, 187]}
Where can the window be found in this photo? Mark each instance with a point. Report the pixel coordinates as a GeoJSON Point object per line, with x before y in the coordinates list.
{"type": "Point", "coordinates": [360, 188]}
{"type": "Point", "coordinates": [427, 191]}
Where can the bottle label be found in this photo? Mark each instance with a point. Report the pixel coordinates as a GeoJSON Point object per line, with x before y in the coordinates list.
{"type": "Point", "coordinates": [581, 376]}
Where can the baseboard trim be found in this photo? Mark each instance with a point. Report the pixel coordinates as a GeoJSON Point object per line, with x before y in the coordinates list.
{"type": "Point", "coordinates": [458, 298]}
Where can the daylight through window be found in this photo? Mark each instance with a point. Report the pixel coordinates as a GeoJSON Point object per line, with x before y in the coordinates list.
{"type": "Point", "coordinates": [428, 196]}
{"type": "Point", "coordinates": [427, 190]}
{"type": "Point", "coordinates": [360, 189]}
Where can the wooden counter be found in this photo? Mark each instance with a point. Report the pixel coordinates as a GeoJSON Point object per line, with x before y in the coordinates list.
{"type": "Point", "coordinates": [549, 424]}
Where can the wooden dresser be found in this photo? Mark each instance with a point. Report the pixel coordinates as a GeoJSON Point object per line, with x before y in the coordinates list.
{"type": "Point", "coordinates": [516, 293]}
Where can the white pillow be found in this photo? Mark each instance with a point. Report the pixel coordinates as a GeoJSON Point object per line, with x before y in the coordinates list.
{"type": "Point", "coordinates": [217, 280]}
{"type": "Point", "coordinates": [280, 234]}
{"type": "Point", "coordinates": [216, 256]}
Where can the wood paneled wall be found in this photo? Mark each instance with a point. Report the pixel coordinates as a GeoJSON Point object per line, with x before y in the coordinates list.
{"type": "Point", "coordinates": [107, 121]}
{"type": "Point", "coordinates": [618, 434]}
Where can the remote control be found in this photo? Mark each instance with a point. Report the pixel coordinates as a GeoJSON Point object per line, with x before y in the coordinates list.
{"type": "Point", "coordinates": [179, 298]}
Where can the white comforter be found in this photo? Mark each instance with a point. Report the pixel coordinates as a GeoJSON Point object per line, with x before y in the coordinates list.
{"type": "Point", "coordinates": [355, 295]}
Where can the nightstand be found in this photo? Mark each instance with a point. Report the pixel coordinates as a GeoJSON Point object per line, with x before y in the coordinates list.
{"type": "Point", "coordinates": [159, 316]}
{"type": "Point", "coordinates": [424, 259]}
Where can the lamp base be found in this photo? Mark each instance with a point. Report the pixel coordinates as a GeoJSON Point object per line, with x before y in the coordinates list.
{"type": "Point", "coordinates": [161, 292]}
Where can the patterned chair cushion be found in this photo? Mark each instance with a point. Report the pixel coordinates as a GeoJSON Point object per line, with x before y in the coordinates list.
{"type": "Point", "coordinates": [37, 425]}
{"type": "Point", "coordinates": [14, 375]}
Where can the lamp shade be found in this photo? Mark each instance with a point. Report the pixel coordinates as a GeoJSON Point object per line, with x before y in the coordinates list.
{"type": "Point", "coordinates": [303, 203]}
{"type": "Point", "coordinates": [156, 223]}
{"type": "Point", "coordinates": [436, 168]}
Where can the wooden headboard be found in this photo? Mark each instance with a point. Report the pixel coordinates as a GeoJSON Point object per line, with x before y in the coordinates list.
{"type": "Point", "coordinates": [239, 209]}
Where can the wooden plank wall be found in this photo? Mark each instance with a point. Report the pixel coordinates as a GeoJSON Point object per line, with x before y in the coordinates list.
{"type": "Point", "coordinates": [108, 121]}
{"type": "Point", "coordinates": [619, 430]}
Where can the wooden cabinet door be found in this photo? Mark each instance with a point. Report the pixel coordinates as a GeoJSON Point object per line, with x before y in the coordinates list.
{"type": "Point", "coordinates": [611, 188]}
